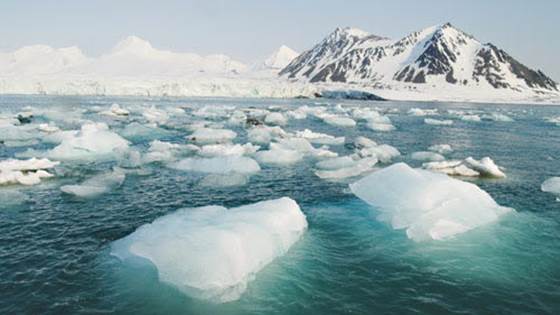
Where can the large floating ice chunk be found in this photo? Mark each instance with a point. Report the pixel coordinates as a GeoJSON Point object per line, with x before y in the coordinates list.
{"type": "Point", "coordinates": [94, 141]}
{"type": "Point", "coordinates": [428, 205]}
{"type": "Point", "coordinates": [276, 118]}
{"type": "Point", "coordinates": [211, 252]}
{"type": "Point", "coordinates": [438, 122]}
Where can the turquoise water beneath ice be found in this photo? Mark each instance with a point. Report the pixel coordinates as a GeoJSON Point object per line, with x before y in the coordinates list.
{"type": "Point", "coordinates": [54, 248]}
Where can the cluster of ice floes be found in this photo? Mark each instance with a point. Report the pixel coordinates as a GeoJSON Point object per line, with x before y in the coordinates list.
{"type": "Point", "coordinates": [211, 252]}
{"type": "Point", "coordinates": [552, 185]}
{"type": "Point", "coordinates": [468, 167]}
{"type": "Point", "coordinates": [427, 205]}
{"type": "Point", "coordinates": [367, 154]}
{"type": "Point", "coordinates": [96, 185]}
{"type": "Point", "coordinates": [25, 172]}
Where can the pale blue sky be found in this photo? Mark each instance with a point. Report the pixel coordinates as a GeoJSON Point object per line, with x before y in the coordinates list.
{"type": "Point", "coordinates": [252, 29]}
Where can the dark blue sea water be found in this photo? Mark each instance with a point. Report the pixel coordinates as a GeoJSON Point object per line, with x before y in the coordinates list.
{"type": "Point", "coordinates": [54, 248]}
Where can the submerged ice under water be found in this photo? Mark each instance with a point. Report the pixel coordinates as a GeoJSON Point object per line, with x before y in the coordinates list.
{"type": "Point", "coordinates": [55, 246]}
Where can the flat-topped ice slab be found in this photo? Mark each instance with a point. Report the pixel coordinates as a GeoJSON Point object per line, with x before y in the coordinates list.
{"type": "Point", "coordinates": [427, 205]}
{"type": "Point", "coordinates": [211, 253]}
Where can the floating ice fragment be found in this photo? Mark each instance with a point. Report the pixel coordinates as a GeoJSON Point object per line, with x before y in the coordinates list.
{"type": "Point", "coordinates": [344, 168]}
{"type": "Point", "coordinates": [210, 150]}
{"type": "Point", "coordinates": [551, 185]}
{"type": "Point", "coordinates": [427, 205]}
{"type": "Point", "coordinates": [212, 253]}
{"type": "Point", "coordinates": [437, 122]}
{"type": "Point", "coordinates": [468, 167]}
{"type": "Point", "coordinates": [441, 148]}
{"type": "Point", "coordinates": [427, 156]}
{"type": "Point", "coordinates": [25, 172]}
{"type": "Point", "coordinates": [319, 138]}
{"type": "Point", "coordinates": [338, 121]}
{"type": "Point", "coordinates": [94, 141]}
{"type": "Point", "coordinates": [218, 165]}
{"type": "Point", "coordinates": [97, 185]}
{"type": "Point", "coordinates": [210, 135]}
{"type": "Point", "coordinates": [276, 118]}
{"type": "Point", "coordinates": [423, 112]}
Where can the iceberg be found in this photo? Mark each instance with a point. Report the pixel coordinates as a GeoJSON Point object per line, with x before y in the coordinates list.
{"type": "Point", "coordinates": [429, 206]}
{"type": "Point", "coordinates": [212, 253]}
{"type": "Point", "coordinates": [427, 156]}
{"type": "Point", "coordinates": [276, 118]}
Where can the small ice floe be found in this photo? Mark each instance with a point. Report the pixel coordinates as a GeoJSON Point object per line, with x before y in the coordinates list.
{"type": "Point", "coordinates": [211, 135]}
{"type": "Point", "coordinates": [116, 111]}
{"type": "Point", "coordinates": [344, 167]}
{"type": "Point", "coordinates": [48, 128]}
{"type": "Point", "coordinates": [497, 117]}
{"type": "Point", "coordinates": [468, 167]}
{"type": "Point", "coordinates": [25, 172]}
{"type": "Point", "coordinates": [378, 122]}
{"type": "Point", "coordinates": [441, 148]}
{"type": "Point", "coordinates": [212, 253]}
{"type": "Point", "coordinates": [226, 149]}
{"type": "Point", "coordinates": [553, 120]}
{"type": "Point", "coordinates": [93, 141]}
{"type": "Point", "coordinates": [365, 147]}
{"type": "Point", "coordinates": [155, 115]}
{"type": "Point", "coordinates": [552, 185]}
{"type": "Point", "coordinates": [218, 165]}
{"type": "Point", "coordinates": [214, 112]}
{"type": "Point", "coordinates": [278, 155]}
{"type": "Point", "coordinates": [224, 180]}
{"type": "Point", "coordinates": [319, 138]}
{"type": "Point", "coordinates": [438, 122]}
{"type": "Point", "coordinates": [429, 206]}
{"type": "Point", "coordinates": [423, 112]}
{"type": "Point", "coordinates": [338, 121]}
{"type": "Point", "coordinates": [470, 117]}
{"type": "Point", "coordinates": [97, 185]}
{"type": "Point", "coordinates": [276, 118]}
{"type": "Point", "coordinates": [265, 134]}
{"type": "Point", "coordinates": [427, 156]}
{"type": "Point", "coordinates": [237, 118]}
{"type": "Point", "coordinates": [11, 197]}
{"type": "Point", "coordinates": [161, 151]}
{"type": "Point", "coordinates": [137, 131]}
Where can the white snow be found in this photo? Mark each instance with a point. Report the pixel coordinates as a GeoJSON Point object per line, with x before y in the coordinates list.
{"type": "Point", "coordinates": [212, 253]}
{"type": "Point", "coordinates": [427, 205]}
{"type": "Point", "coordinates": [280, 58]}
{"type": "Point", "coordinates": [319, 138]}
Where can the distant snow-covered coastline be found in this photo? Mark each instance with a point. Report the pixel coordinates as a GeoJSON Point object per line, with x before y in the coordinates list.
{"type": "Point", "coordinates": [135, 68]}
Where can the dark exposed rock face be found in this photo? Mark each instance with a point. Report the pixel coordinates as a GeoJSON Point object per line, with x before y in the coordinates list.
{"type": "Point", "coordinates": [444, 51]}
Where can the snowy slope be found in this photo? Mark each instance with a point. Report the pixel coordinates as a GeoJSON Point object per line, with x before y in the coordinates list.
{"type": "Point", "coordinates": [280, 58]}
{"type": "Point", "coordinates": [438, 56]}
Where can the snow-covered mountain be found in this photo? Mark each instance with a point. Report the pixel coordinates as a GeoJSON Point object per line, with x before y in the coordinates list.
{"type": "Point", "coordinates": [436, 57]}
{"type": "Point", "coordinates": [39, 60]}
{"type": "Point", "coordinates": [280, 58]}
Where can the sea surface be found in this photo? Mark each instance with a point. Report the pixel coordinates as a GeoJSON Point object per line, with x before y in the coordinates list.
{"type": "Point", "coordinates": [55, 248]}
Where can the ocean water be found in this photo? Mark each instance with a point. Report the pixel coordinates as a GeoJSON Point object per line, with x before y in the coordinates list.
{"type": "Point", "coordinates": [55, 248]}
